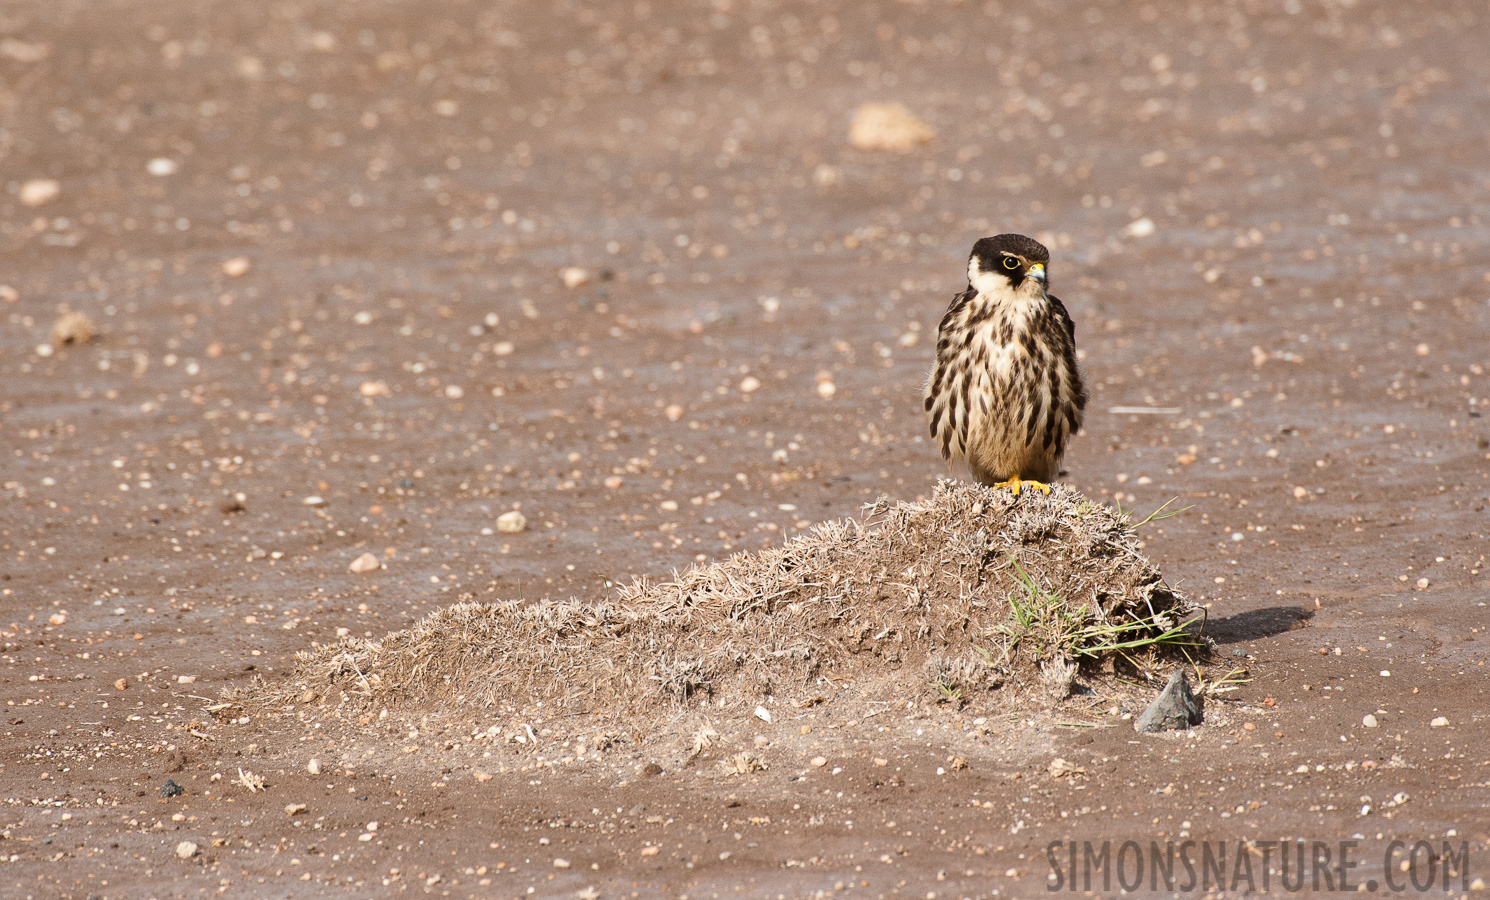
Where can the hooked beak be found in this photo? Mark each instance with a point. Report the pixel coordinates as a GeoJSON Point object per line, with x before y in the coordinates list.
{"type": "Point", "coordinates": [1037, 272]}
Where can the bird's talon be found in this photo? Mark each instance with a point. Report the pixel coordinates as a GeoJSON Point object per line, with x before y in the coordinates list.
{"type": "Point", "coordinates": [1016, 484]}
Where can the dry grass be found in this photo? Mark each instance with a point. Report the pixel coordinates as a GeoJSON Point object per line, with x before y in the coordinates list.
{"type": "Point", "coordinates": [970, 592]}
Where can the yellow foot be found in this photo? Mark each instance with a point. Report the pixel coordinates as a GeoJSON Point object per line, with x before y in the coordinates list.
{"type": "Point", "coordinates": [1016, 484]}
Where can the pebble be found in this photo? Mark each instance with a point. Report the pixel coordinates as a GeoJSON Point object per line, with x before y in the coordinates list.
{"type": "Point", "coordinates": [236, 266]}
{"type": "Point", "coordinates": [574, 276]}
{"type": "Point", "coordinates": [294, 809]}
{"type": "Point", "coordinates": [1369, 721]}
{"type": "Point", "coordinates": [826, 388]}
{"type": "Point", "coordinates": [561, 863]}
{"type": "Point", "coordinates": [1140, 228]}
{"type": "Point", "coordinates": [186, 679]}
{"type": "Point", "coordinates": [763, 714]}
{"type": "Point", "coordinates": [674, 412]}
{"type": "Point", "coordinates": [314, 501]}
{"type": "Point", "coordinates": [314, 766]}
{"type": "Point", "coordinates": [186, 849]}
{"type": "Point", "coordinates": [819, 761]}
{"type": "Point", "coordinates": [512, 522]}
{"type": "Point", "coordinates": [1438, 722]}
{"type": "Point", "coordinates": [162, 166]}
{"type": "Point", "coordinates": [58, 618]}
{"type": "Point", "coordinates": [37, 191]}
{"type": "Point", "coordinates": [749, 384]}
{"type": "Point", "coordinates": [367, 562]}
{"type": "Point", "coordinates": [72, 328]}
{"type": "Point", "coordinates": [887, 126]}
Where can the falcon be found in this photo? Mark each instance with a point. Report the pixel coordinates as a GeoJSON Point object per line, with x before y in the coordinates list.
{"type": "Point", "coordinates": [1005, 394]}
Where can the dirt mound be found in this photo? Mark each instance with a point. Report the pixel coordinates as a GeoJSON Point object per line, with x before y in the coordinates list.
{"type": "Point", "coordinates": [971, 591]}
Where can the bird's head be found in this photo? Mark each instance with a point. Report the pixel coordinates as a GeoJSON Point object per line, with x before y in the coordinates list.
{"type": "Point", "coordinates": [1007, 262]}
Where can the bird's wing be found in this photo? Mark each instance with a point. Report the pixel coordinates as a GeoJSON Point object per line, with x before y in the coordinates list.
{"type": "Point", "coordinates": [1065, 318]}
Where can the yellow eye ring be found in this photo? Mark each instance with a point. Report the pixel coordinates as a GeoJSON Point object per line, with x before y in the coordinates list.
{"type": "Point", "coordinates": [1011, 263]}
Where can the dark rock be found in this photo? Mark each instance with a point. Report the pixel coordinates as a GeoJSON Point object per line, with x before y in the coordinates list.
{"type": "Point", "coordinates": [1174, 709]}
{"type": "Point", "coordinates": [171, 788]}
{"type": "Point", "coordinates": [650, 770]}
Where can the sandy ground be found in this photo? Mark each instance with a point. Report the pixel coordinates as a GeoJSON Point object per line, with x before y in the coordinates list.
{"type": "Point", "coordinates": [321, 246]}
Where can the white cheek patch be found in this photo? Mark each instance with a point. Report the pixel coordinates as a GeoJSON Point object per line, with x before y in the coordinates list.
{"type": "Point", "coordinates": [986, 283]}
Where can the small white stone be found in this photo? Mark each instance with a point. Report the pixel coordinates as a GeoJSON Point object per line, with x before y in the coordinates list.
{"type": "Point", "coordinates": [236, 266]}
{"type": "Point", "coordinates": [763, 714]}
{"type": "Point", "coordinates": [512, 522]}
{"type": "Point", "coordinates": [1438, 722]}
{"type": "Point", "coordinates": [1369, 721]}
{"type": "Point", "coordinates": [749, 384]}
{"type": "Point", "coordinates": [819, 761]}
{"type": "Point", "coordinates": [186, 679]}
{"type": "Point", "coordinates": [365, 563]}
{"type": "Point", "coordinates": [561, 863]}
{"type": "Point", "coordinates": [826, 389]}
{"type": "Point", "coordinates": [313, 501]}
{"type": "Point", "coordinates": [574, 276]}
{"type": "Point", "coordinates": [186, 849]}
{"type": "Point", "coordinates": [888, 126]}
{"type": "Point", "coordinates": [314, 766]}
{"type": "Point", "coordinates": [162, 166]}
{"type": "Point", "coordinates": [454, 391]}
{"type": "Point", "coordinates": [1140, 228]}
{"type": "Point", "coordinates": [37, 191]}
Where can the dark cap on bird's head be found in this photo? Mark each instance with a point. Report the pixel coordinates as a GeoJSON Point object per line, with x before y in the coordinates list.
{"type": "Point", "coordinates": [1029, 249]}
{"type": "Point", "coordinates": [1013, 256]}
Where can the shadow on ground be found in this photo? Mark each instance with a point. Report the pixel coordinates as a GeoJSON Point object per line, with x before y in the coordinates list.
{"type": "Point", "coordinates": [1255, 624]}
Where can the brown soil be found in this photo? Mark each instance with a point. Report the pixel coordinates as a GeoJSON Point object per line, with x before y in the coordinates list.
{"type": "Point", "coordinates": [320, 247]}
{"type": "Point", "coordinates": [913, 599]}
